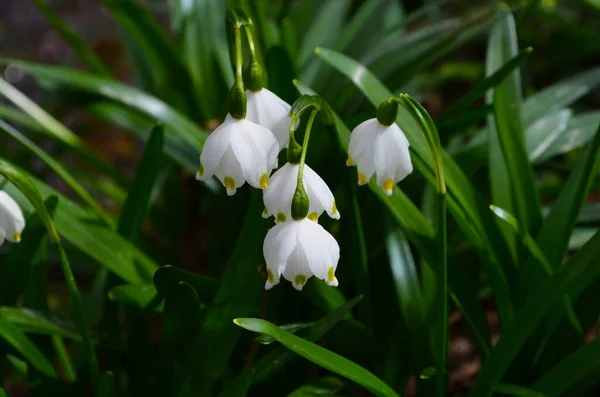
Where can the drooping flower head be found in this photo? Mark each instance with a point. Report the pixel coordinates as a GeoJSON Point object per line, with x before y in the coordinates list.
{"type": "Point", "coordinates": [299, 249]}
{"type": "Point", "coordinates": [378, 146]}
{"type": "Point", "coordinates": [278, 196]}
{"type": "Point", "coordinates": [12, 222]}
{"type": "Point", "coordinates": [239, 150]}
{"type": "Point", "coordinates": [270, 111]}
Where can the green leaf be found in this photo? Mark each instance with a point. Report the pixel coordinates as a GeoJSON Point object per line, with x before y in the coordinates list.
{"type": "Point", "coordinates": [237, 295]}
{"type": "Point", "coordinates": [271, 362]}
{"type": "Point", "coordinates": [326, 386]}
{"type": "Point", "coordinates": [57, 167]}
{"type": "Point", "coordinates": [293, 328]}
{"type": "Point", "coordinates": [523, 186]}
{"type": "Point", "coordinates": [168, 277]}
{"type": "Point", "coordinates": [557, 228]}
{"type": "Point", "coordinates": [570, 370]}
{"type": "Point", "coordinates": [519, 391]}
{"type": "Point", "coordinates": [543, 299]}
{"type": "Point", "coordinates": [34, 322]}
{"type": "Point", "coordinates": [134, 295]}
{"type": "Point", "coordinates": [201, 38]}
{"type": "Point", "coordinates": [181, 322]}
{"type": "Point", "coordinates": [559, 95]}
{"type": "Point", "coordinates": [21, 343]}
{"type": "Point", "coordinates": [174, 122]}
{"type": "Point", "coordinates": [489, 82]}
{"type": "Point", "coordinates": [420, 232]}
{"type": "Point", "coordinates": [579, 131]}
{"type": "Point", "coordinates": [83, 51]}
{"type": "Point", "coordinates": [542, 134]}
{"type": "Point", "coordinates": [54, 129]}
{"type": "Point", "coordinates": [106, 386]}
{"type": "Point", "coordinates": [81, 228]}
{"type": "Point", "coordinates": [136, 205]}
{"type": "Point", "coordinates": [318, 355]}
{"type": "Point", "coordinates": [18, 265]}
{"type": "Point", "coordinates": [170, 76]}
{"type": "Point", "coordinates": [325, 27]}
{"type": "Point", "coordinates": [505, 137]}
{"type": "Point", "coordinates": [463, 201]}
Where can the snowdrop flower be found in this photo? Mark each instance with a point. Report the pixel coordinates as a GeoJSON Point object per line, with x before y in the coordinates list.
{"type": "Point", "coordinates": [299, 249]}
{"type": "Point", "coordinates": [270, 111]}
{"type": "Point", "coordinates": [239, 151]}
{"type": "Point", "coordinates": [278, 196]}
{"type": "Point", "coordinates": [379, 149]}
{"type": "Point", "coordinates": [12, 222]}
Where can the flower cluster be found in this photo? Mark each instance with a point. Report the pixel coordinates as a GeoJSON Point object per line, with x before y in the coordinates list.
{"type": "Point", "coordinates": [12, 222]}
{"type": "Point", "coordinates": [245, 148]}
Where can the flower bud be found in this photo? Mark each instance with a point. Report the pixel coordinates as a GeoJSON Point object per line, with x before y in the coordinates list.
{"type": "Point", "coordinates": [254, 76]}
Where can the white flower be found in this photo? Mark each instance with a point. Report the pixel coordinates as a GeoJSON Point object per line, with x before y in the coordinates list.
{"type": "Point", "coordinates": [383, 150]}
{"type": "Point", "coordinates": [12, 222]}
{"type": "Point", "coordinates": [270, 111]}
{"type": "Point", "coordinates": [298, 250]}
{"type": "Point", "coordinates": [239, 151]}
{"type": "Point", "coordinates": [282, 185]}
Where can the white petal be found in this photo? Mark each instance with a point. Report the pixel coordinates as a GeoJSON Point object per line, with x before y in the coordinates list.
{"type": "Point", "coordinates": [321, 249]}
{"type": "Point", "coordinates": [230, 172]}
{"type": "Point", "coordinates": [363, 137]}
{"type": "Point", "coordinates": [392, 158]}
{"type": "Point", "coordinates": [279, 243]}
{"type": "Point", "coordinates": [282, 185]}
{"type": "Point", "coordinates": [321, 198]}
{"type": "Point", "coordinates": [296, 268]}
{"type": "Point", "coordinates": [215, 146]}
{"type": "Point", "coordinates": [270, 111]}
{"type": "Point", "coordinates": [256, 150]}
{"type": "Point", "coordinates": [12, 221]}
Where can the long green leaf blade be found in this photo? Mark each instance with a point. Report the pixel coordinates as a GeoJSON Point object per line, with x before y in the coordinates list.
{"type": "Point", "coordinates": [320, 356]}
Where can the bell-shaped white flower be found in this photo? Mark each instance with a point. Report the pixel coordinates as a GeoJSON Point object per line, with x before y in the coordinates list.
{"type": "Point", "coordinates": [239, 151]}
{"type": "Point", "coordinates": [270, 111]}
{"type": "Point", "coordinates": [379, 149]}
{"type": "Point", "coordinates": [12, 222]}
{"type": "Point", "coordinates": [282, 185]}
{"type": "Point", "coordinates": [298, 250]}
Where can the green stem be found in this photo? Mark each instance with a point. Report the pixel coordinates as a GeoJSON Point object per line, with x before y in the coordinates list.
{"type": "Point", "coordinates": [250, 39]}
{"type": "Point", "coordinates": [311, 120]}
{"type": "Point", "coordinates": [63, 358]}
{"type": "Point", "coordinates": [442, 330]}
{"type": "Point", "coordinates": [79, 314]}
{"type": "Point", "coordinates": [238, 55]}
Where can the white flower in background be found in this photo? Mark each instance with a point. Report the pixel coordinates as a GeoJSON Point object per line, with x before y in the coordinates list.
{"type": "Point", "coordinates": [298, 250]}
{"type": "Point", "coordinates": [278, 196]}
{"type": "Point", "coordinates": [239, 151]}
{"type": "Point", "coordinates": [382, 150]}
{"type": "Point", "coordinates": [12, 222]}
{"type": "Point", "coordinates": [270, 111]}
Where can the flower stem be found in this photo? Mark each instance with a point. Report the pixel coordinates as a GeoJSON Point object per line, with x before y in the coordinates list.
{"type": "Point", "coordinates": [311, 120]}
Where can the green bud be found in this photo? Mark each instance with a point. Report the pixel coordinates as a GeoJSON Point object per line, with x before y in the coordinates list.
{"type": "Point", "coordinates": [254, 76]}
{"type": "Point", "coordinates": [300, 203]}
{"type": "Point", "coordinates": [387, 112]}
{"type": "Point", "coordinates": [236, 101]}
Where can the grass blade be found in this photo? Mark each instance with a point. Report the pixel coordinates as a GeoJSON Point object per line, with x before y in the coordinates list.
{"type": "Point", "coordinates": [543, 300]}
{"type": "Point", "coordinates": [57, 167]}
{"type": "Point", "coordinates": [571, 369]}
{"type": "Point", "coordinates": [83, 51]}
{"type": "Point", "coordinates": [238, 294]}
{"type": "Point", "coordinates": [34, 322]}
{"type": "Point", "coordinates": [58, 131]}
{"type": "Point", "coordinates": [518, 391]}
{"type": "Point", "coordinates": [21, 343]}
{"type": "Point", "coordinates": [319, 356]}
{"type": "Point", "coordinates": [463, 201]}
{"type": "Point", "coordinates": [267, 365]}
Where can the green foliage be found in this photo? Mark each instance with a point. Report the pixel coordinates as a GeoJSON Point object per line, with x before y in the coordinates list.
{"type": "Point", "coordinates": [134, 279]}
